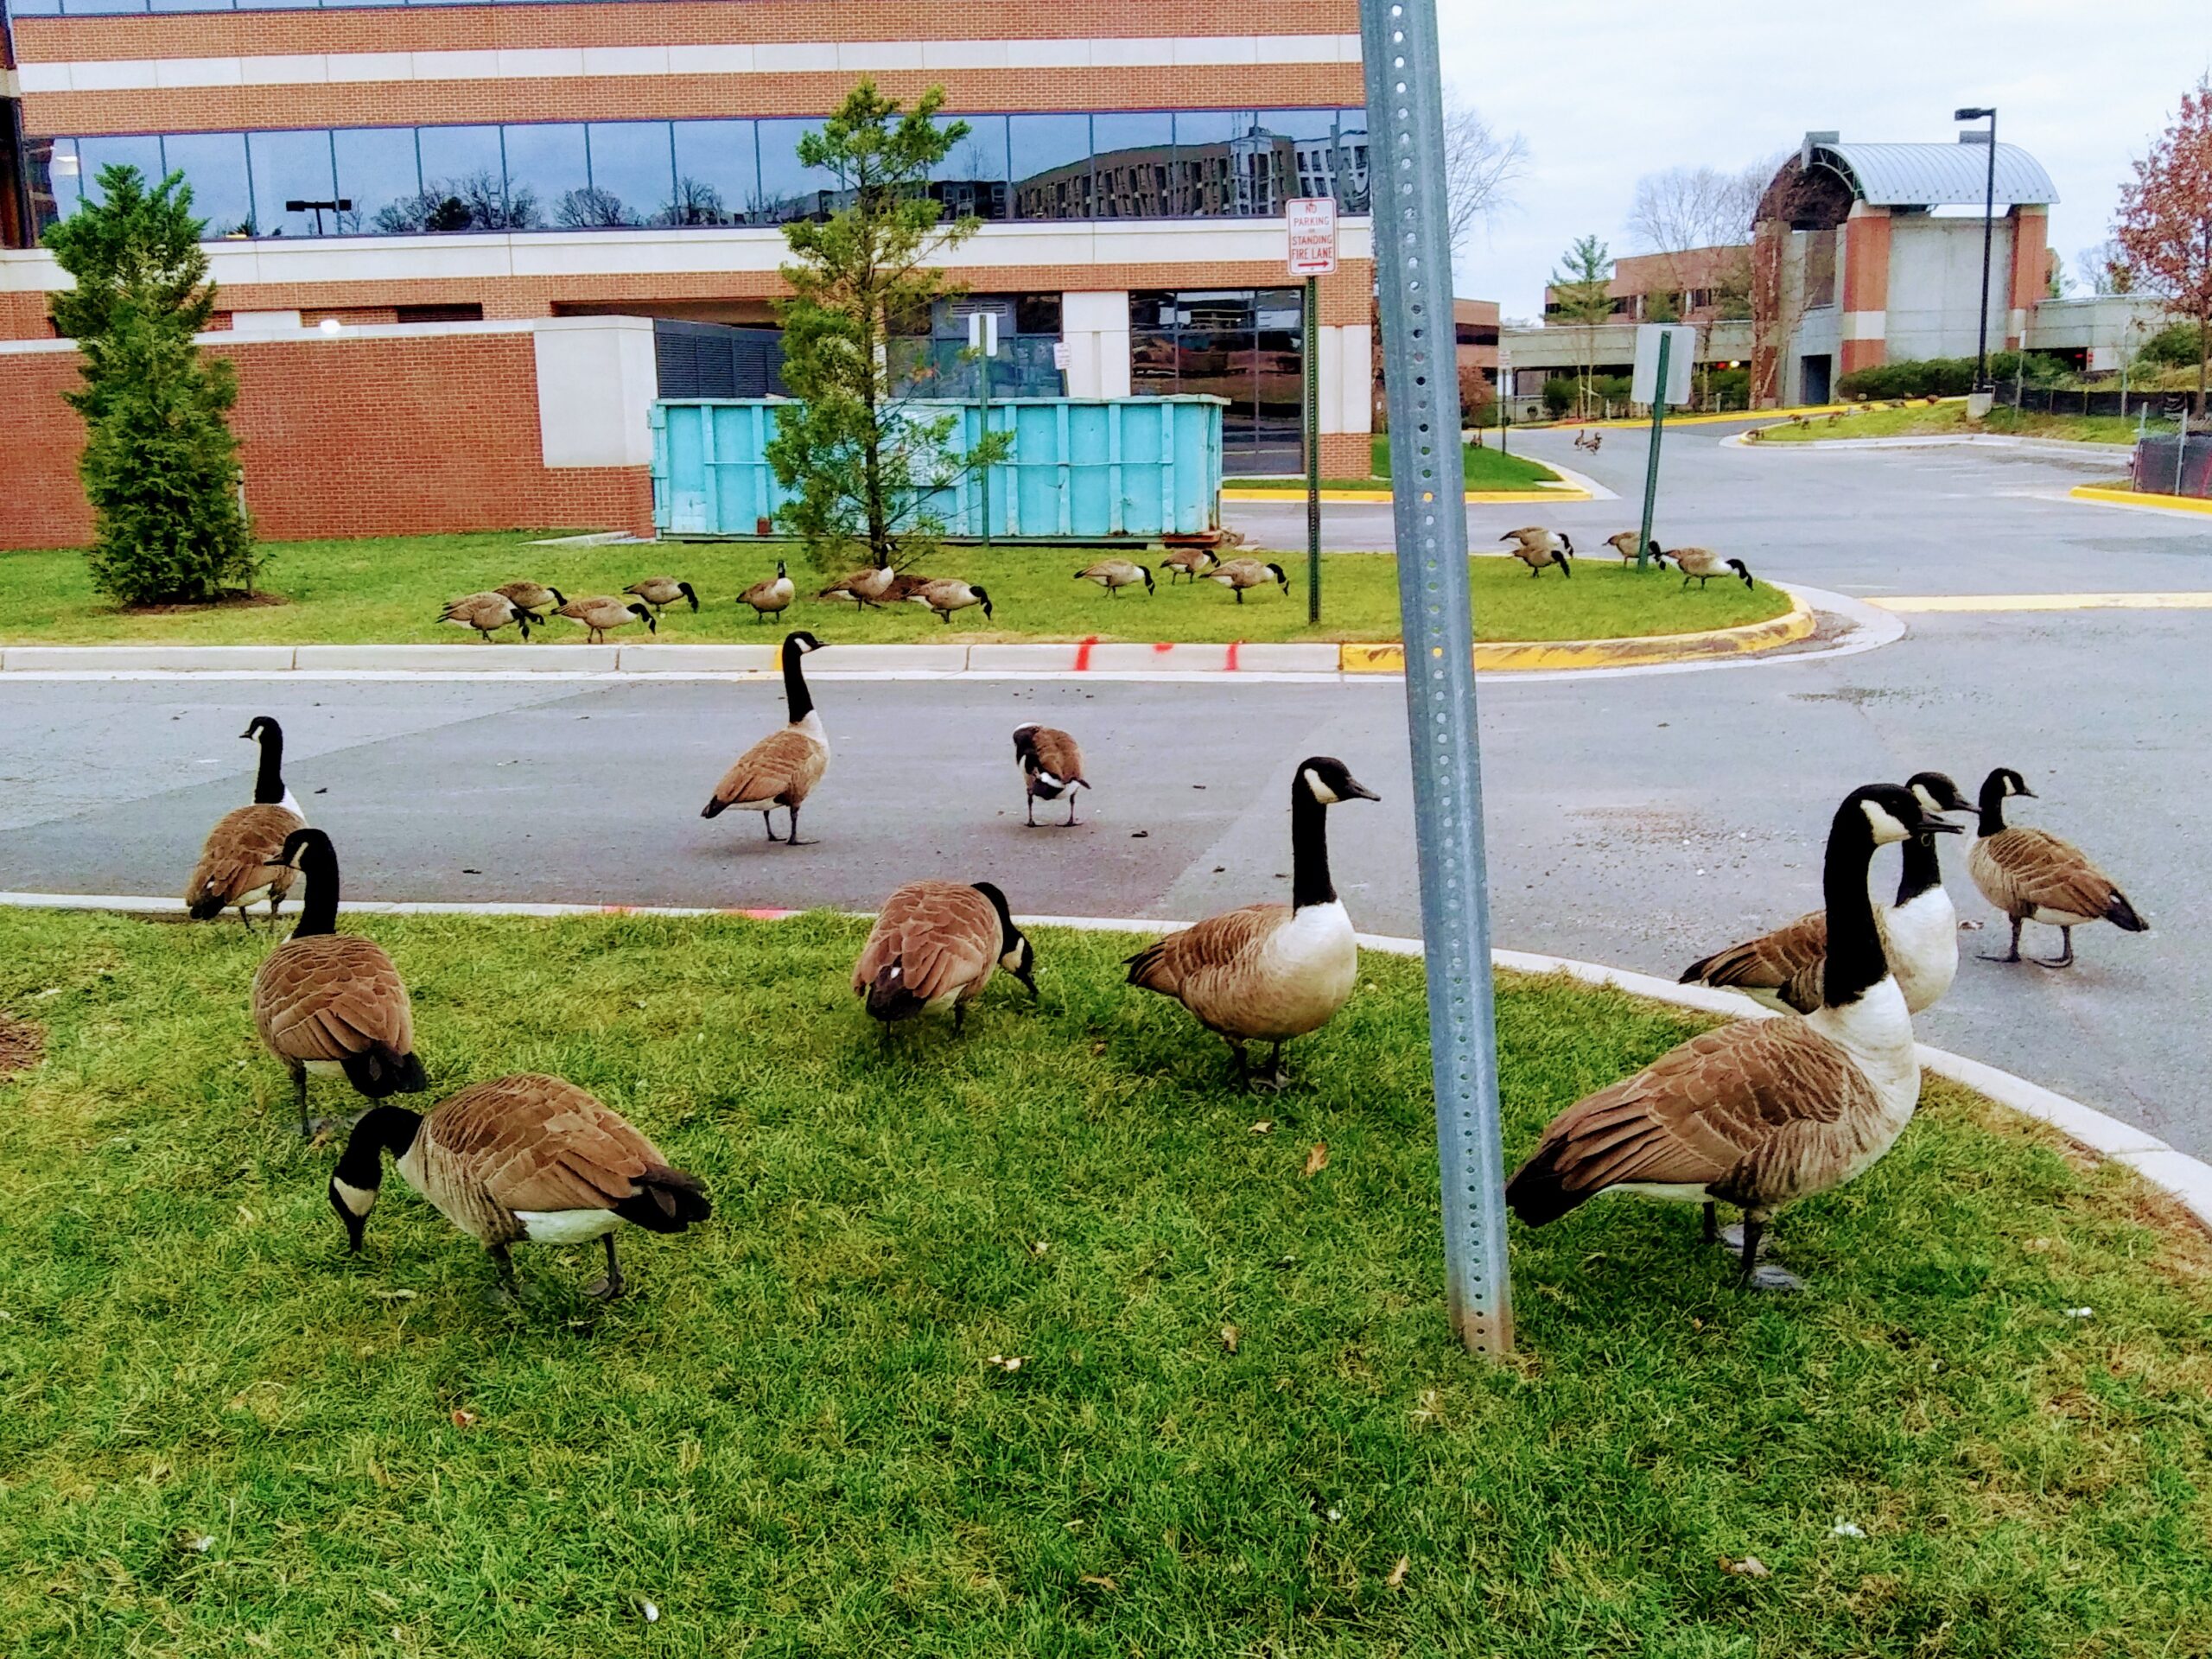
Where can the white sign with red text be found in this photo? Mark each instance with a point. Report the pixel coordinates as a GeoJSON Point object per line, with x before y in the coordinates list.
{"type": "Point", "coordinates": [1312, 225]}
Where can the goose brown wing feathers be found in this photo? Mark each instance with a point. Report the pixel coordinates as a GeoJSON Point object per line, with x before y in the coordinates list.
{"type": "Point", "coordinates": [942, 936]}
{"type": "Point", "coordinates": [2020, 870]}
{"type": "Point", "coordinates": [782, 766]}
{"type": "Point", "coordinates": [1786, 962]}
{"type": "Point", "coordinates": [240, 857]}
{"type": "Point", "coordinates": [533, 1142]}
{"type": "Point", "coordinates": [1203, 949]}
{"type": "Point", "coordinates": [1057, 752]}
{"type": "Point", "coordinates": [331, 996]}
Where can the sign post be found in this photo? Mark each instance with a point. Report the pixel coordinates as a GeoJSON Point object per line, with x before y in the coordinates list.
{"type": "Point", "coordinates": [1312, 226]}
{"type": "Point", "coordinates": [983, 340]}
{"type": "Point", "coordinates": [1665, 354]}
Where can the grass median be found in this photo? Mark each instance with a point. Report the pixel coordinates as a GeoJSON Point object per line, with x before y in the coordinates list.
{"type": "Point", "coordinates": [1485, 469]}
{"type": "Point", "coordinates": [1950, 420]}
{"type": "Point", "coordinates": [388, 591]}
{"type": "Point", "coordinates": [1239, 1425]}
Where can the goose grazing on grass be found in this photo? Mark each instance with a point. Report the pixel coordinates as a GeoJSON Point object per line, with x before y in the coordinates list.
{"type": "Point", "coordinates": [524, 1159]}
{"type": "Point", "coordinates": [1763, 1112]}
{"type": "Point", "coordinates": [532, 596]}
{"type": "Point", "coordinates": [242, 861]}
{"type": "Point", "coordinates": [1539, 548]}
{"type": "Point", "coordinates": [771, 595]}
{"type": "Point", "coordinates": [867, 587]}
{"type": "Point", "coordinates": [1237, 574]}
{"type": "Point", "coordinates": [660, 591]}
{"type": "Point", "coordinates": [1268, 972]}
{"type": "Point", "coordinates": [1114, 574]}
{"type": "Point", "coordinates": [936, 946]}
{"type": "Point", "coordinates": [946, 594]}
{"type": "Point", "coordinates": [1703, 563]}
{"type": "Point", "coordinates": [2035, 877]}
{"type": "Point", "coordinates": [1624, 542]}
{"type": "Point", "coordinates": [783, 767]}
{"type": "Point", "coordinates": [1190, 562]}
{"type": "Point", "coordinates": [1052, 766]}
{"type": "Point", "coordinates": [1920, 932]}
{"type": "Point", "coordinates": [487, 613]}
{"type": "Point", "coordinates": [326, 1001]}
{"type": "Point", "coordinates": [601, 612]}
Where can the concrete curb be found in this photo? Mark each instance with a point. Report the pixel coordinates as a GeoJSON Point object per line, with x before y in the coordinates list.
{"type": "Point", "coordinates": [2142, 500]}
{"type": "Point", "coordinates": [1578, 489]}
{"type": "Point", "coordinates": [2185, 1179]}
{"type": "Point", "coordinates": [2057, 449]}
{"type": "Point", "coordinates": [1511, 656]}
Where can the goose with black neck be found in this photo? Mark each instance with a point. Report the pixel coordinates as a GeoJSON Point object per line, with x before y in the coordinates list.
{"type": "Point", "coordinates": [783, 767]}
{"type": "Point", "coordinates": [239, 862]}
{"type": "Point", "coordinates": [2033, 876]}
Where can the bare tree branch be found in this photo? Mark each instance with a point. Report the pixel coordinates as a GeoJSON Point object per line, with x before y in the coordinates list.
{"type": "Point", "coordinates": [1481, 167]}
{"type": "Point", "coordinates": [1687, 207]}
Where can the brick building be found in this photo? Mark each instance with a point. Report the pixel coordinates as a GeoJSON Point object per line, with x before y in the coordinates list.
{"type": "Point", "coordinates": [378, 179]}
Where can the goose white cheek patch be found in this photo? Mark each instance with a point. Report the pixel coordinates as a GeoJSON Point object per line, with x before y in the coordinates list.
{"type": "Point", "coordinates": [1322, 792]}
{"type": "Point", "coordinates": [1882, 823]}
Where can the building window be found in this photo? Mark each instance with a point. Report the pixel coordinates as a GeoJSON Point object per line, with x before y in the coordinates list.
{"type": "Point", "coordinates": [1242, 345]}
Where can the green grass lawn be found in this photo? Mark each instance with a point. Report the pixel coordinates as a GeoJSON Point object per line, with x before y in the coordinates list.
{"type": "Point", "coordinates": [1949, 419]}
{"type": "Point", "coordinates": [222, 1435]}
{"type": "Point", "coordinates": [390, 591]}
{"type": "Point", "coordinates": [1485, 469]}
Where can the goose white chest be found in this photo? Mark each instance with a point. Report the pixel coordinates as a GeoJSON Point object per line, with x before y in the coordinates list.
{"type": "Point", "coordinates": [1922, 938]}
{"type": "Point", "coordinates": [1875, 1031]}
{"type": "Point", "coordinates": [1309, 965]}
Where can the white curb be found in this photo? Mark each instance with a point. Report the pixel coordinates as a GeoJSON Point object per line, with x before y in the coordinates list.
{"type": "Point", "coordinates": [2185, 1179]}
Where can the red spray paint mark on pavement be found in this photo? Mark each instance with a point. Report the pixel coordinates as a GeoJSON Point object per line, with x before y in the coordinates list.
{"type": "Point", "coordinates": [1082, 654]}
{"type": "Point", "coordinates": [1230, 666]}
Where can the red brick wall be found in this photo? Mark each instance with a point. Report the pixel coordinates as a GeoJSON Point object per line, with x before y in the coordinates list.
{"type": "Point", "coordinates": [415, 435]}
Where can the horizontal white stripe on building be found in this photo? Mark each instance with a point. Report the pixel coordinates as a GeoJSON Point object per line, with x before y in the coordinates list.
{"type": "Point", "coordinates": [145, 74]}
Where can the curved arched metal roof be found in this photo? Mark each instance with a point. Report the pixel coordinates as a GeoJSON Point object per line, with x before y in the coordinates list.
{"type": "Point", "coordinates": [1933, 175]}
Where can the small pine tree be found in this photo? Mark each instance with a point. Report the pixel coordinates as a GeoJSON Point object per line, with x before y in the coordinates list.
{"type": "Point", "coordinates": [1581, 299]}
{"type": "Point", "coordinates": [867, 467]}
{"type": "Point", "coordinates": [159, 463]}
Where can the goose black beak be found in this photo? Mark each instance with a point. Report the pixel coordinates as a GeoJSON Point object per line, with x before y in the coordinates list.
{"type": "Point", "coordinates": [1359, 792]}
{"type": "Point", "coordinates": [1940, 827]}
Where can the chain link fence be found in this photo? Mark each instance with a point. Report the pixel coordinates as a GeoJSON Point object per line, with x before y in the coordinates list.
{"type": "Point", "coordinates": [2180, 465]}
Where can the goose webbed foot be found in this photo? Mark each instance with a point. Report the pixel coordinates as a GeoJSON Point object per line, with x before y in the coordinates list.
{"type": "Point", "coordinates": [769, 825]}
{"type": "Point", "coordinates": [2065, 958]}
{"type": "Point", "coordinates": [1755, 1275]}
{"type": "Point", "coordinates": [609, 1284]}
{"type": "Point", "coordinates": [2012, 955]}
{"type": "Point", "coordinates": [1768, 1277]}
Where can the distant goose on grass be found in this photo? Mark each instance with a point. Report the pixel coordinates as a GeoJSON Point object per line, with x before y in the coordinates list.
{"type": "Point", "coordinates": [867, 587]}
{"type": "Point", "coordinates": [525, 1160]}
{"type": "Point", "coordinates": [1625, 543]}
{"type": "Point", "coordinates": [2033, 876]}
{"type": "Point", "coordinates": [326, 1001]}
{"type": "Point", "coordinates": [936, 946]}
{"type": "Point", "coordinates": [487, 613]}
{"type": "Point", "coordinates": [1237, 574]}
{"type": "Point", "coordinates": [659, 591]}
{"type": "Point", "coordinates": [1538, 549]}
{"type": "Point", "coordinates": [1052, 766]}
{"type": "Point", "coordinates": [1190, 562]}
{"type": "Point", "coordinates": [946, 594]}
{"type": "Point", "coordinates": [1704, 564]}
{"type": "Point", "coordinates": [771, 595]}
{"type": "Point", "coordinates": [1763, 1112]}
{"type": "Point", "coordinates": [532, 596]}
{"type": "Point", "coordinates": [1920, 932]}
{"type": "Point", "coordinates": [1269, 973]}
{"type": "Point", "coordinates": [601, 612]}
{"type": "Point", "coordinates": [1114, 574]}
{"type": "Point", "coordinates": [241, 862]}
{"type": "Point", "coordinates": [783, 767]}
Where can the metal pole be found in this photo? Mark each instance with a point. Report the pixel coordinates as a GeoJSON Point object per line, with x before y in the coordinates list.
{"type": "Point", "coordinates": [1412, 253]}
{"type": "Point", "coordinates": [983, 364]}
{"type": "Point", "coordinates": [1988, 235]}
{"type": "Point", "coordinates": [1313, 450]}
{"type": "Point", "coordinates": [1652, 461]}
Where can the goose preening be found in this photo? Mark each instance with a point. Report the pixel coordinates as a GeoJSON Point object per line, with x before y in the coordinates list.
{"type": "Point", "coordinates": [659, 591]}
{"type": "Point", "coordinates": [946, 594]}
{"type": "Point", "coordinates": [1703, 563]}
{"type": "Point", "coordinates": [1052, 766]}
{"type": "Point", "coordinates": [1268, 972]}
{"type": "Point", "coordinates": [783, 767]}
{"type": "Point", "coordinates": [242, 860]}
{"type": "Point", "coordinates": [1763, 1112]}
{"type": "Point", "coordinates": [866, 586]}
{"type": "Point", "coordinates": [1538, 548]}
{"type": "Point", "coordinates": [524, 1159]}
{"type": "Point", "coordinates": [771, 595]}
{"type": "Point", "coordinates": [936, 946]}
{"type": "Point", "coordinates": [1237, 574]}
{"type": "Point", "coordinates": [1114, 574]}
{"type": "Point", "coordinates": [2035, 877]}
{"type": "Point", "coordinates": [487, 613]}
{"type": "Point", "coordinates": [532, 596]}
{"type": "Point", "coordinates": [1625, 543]}
{"type": "Point", "coordinates": [1920, 931]}
{"type": "Point", "coordinates": [601, 612]}
{"type": "Point", "coordinates": [1190, 562]}
{"type": "Point", "coordinates": [326, 1001]}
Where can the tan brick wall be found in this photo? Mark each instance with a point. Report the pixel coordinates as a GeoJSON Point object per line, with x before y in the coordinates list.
{"type": "Point", "coordinates": [1346, 454]}
{"type": "Point", "coordinates": [346, 437]}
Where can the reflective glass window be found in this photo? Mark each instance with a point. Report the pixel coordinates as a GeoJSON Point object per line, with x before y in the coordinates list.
{"type": "Point", "coordinates": [213, 165]}
{"type": "Point", "coordinates": [789, 190]}
{"type": "Point", "coordinates": [717, 172]}
{"type": "Point", "coordinates": [186, 5]}
{"type": "Point", "coordinates": [464, 180]}
{"type": "Point", "coordinates": [290, 167]}
{"type": "Point", "coordinates": [57, 178]}
{"type": "Point", "coordinates": [972, 178]}
{"type": "Point", "coordinates": [377, 171]}
{"type": "Point", "coordinates": [1202, 187]}
{"type": "Point", "coordinates": [1051, 164]}
{"type": "Point", "coordinates": [1135, 158]}
{"type": "Point", "coordinates": [633, 180]}
{"type": "Point", "coordinates": [100, 8]}
{"type": "Point", "coordinates": [94, 153]}
{"type": "Point", "coordinates": [35, 8]}
{"type": "Point", "coordinates": [549, 180]}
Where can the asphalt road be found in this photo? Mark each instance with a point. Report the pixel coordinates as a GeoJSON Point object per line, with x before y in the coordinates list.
{"type": "Point", "coordinates": [1640, 820]}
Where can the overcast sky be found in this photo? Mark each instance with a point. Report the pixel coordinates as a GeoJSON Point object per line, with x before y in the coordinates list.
{"type": "Point", "coordinates": [1604, 92]}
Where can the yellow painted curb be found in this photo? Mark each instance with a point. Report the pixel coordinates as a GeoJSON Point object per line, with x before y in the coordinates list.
{"type": "Point", "coordinates": [2140, 499]}
{"type": "Point", "coordinates": [1383, 497]}
{"type": "Point", "coordinates": [1521, 656]}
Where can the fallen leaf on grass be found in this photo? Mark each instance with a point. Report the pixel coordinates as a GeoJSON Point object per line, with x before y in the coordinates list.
{"type": "Point", "coordinates": [464, 1419]}
{"type": "Point", "coordinates": [199, 1543]}
{"type": "Point", "coordinates": [1398, 1573]}
{"type": "Point", "coordinates": [1846, 1529]}
{"type": "Point", "coordinates": [1749, 1567]}
{"type": "Point", "coordinates": [1265, 1126]}
{"type": "Point", "coordinates": [1098, 1581]}
{"type": "Point", "coordinates": [1039, 1248]}
{"type": "Point", "coordinates": [393, 1295]}
{"type": "Point", "coordinates": [1318, 1160]}
{"type": "Point", "coordinates": [1007, 1362]}
{"type": "Point", "coordinates": [1229, 1336]}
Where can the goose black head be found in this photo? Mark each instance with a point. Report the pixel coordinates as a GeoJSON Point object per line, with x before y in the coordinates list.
{"type": "Point", "coordinates": [360, 1171]}
{"type": "Point", "coordinates": [261, 726]}
{"type": "Point", "coordinates": [1144, 570]}
{"type": "Point", "coordinates": [2005, 782]}
{"type": "Point", "coordinates": [1894, 813]}
{"type": "Point", "coordinates": [1282, 581]}
{"type": "Point", "coordinates": [1937, 793]}
{"type": "Point", "coordinates": [1566, 544]}
{"type": "Point", "coordinates": [982, 598]}
{"type": "Point", "coordinates": [781, 572]}
{"type": "Point", "coordinates": [801, 641]}
{"type": "Point", "coordinates": [1017, 956]}
{"type": "Point", "coordinates": [559, 598]}
{"type": "Point", "coordinates": [1736, 565]}
{"type": "Point", "coordinates": [684, 589]}
{"type": "Point", "coordinates": [305, 847]}
{"type": "Point", "coordinates": [644, 614]}
{"type": "Point", "coordinates": [1328, 780]}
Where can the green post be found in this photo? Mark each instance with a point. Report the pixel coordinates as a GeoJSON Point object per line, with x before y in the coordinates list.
{"type": "Point", "coordinates": [983, 363]}
{"type": "Point", "coordinates": [1652, 461]}
{"type": "Point", "coordinates": [1313, 450]}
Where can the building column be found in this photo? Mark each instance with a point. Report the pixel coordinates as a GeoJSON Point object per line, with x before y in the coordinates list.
{"type": "Point", "coordinates": [1865, 323]}
{"type": "Point", "coordinates": [1095, 326]}
{"type": "Point", "coordinates": [2031, 280]}
{"type": "Point", "coordinates": [1347, 398]}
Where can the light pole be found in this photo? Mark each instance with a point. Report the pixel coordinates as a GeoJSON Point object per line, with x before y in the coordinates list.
{"type": "Point", "coordinates": [1988, 232]}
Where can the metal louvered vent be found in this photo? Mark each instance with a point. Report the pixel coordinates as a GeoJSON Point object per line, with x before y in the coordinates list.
{"type": "Point", "coordinates": [714, 360]}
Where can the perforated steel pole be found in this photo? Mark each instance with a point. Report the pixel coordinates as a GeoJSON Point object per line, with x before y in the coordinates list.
{"type": "Point", "coordinates": [1413, 254]}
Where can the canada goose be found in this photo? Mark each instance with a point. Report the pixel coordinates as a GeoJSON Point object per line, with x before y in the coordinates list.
{"type": "Point", "coordinates": [1114, 574]}
{"type": "Point", "coordinates": [936, 945]}
{"type": "Point", "coordinates": [771, 595]}
{"type": "Point", "coordinates": [329, 1001]}
{"type": "Point", "coordinates": [240, 862]}
{"type": "Point", "coordinates": [1536, 535]}
{"type": "Point", "coordinates": [487, 613]}
{"type": "Point", "coordinates": [1190, 561]}
{"type": "Point", "coordinates": [866, 586]}
{"type": "Point", "coordinates": [947, 595]}
{"type": "Point", "coordinates": [532, 596]}
{"type": "Point", "coordinates": [1920, 932]}
{"type": "Point", "coordinates": [1624, 542]}
{"type": "Point", "coordinates": [1269, 973]}
{"type": "Point", "coordinates": [783, 767]}
{"type": "Point", "coordinates": [1763, 1112]}
{"type": "Point", "coordinates": [1703, 563]}
{"type": "Point", "coordinates": [1051, 765]}
{"type": "Point", "coordinates": [524, 1159]}
{"type": "Point", "coordinates": [2035, 877]}
{"type": "Point", "coordinates": [1237, 574]}
{"type": "Point", "coordinates": [604, 611]}
{"type": "Point", "coordinates": [658, 591]}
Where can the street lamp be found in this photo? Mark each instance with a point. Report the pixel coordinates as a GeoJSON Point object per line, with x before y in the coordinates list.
{"type": "Point", "coordinates": [340, 205]}
{"type": "Point", "coordinates": [1989, 232]}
